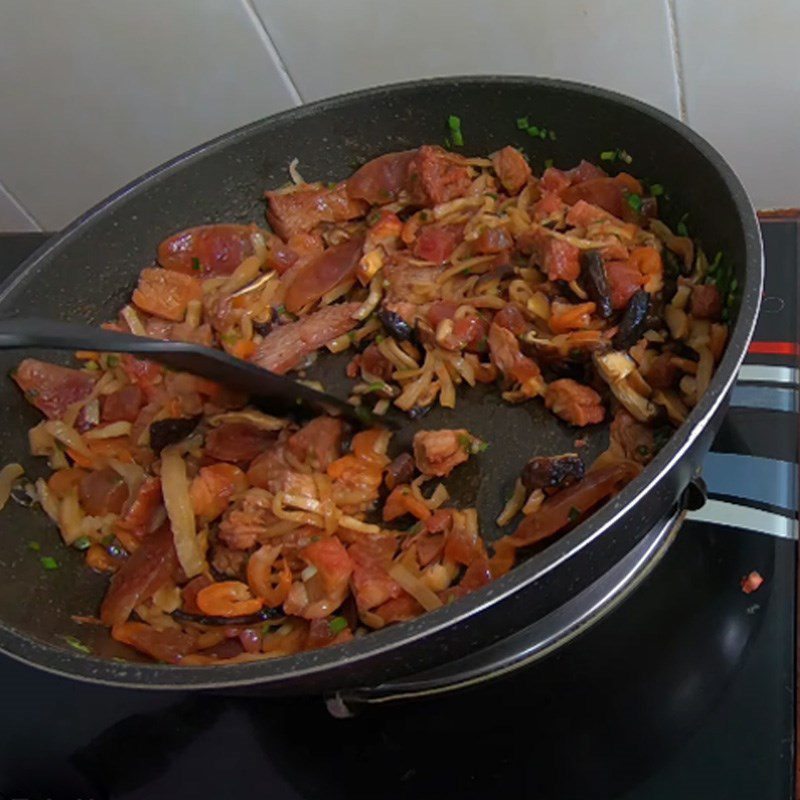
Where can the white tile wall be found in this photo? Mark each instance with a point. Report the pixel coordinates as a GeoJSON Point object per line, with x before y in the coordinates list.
{"type": "Point", "coordinates": [331, 47]}
{"type": "Point", "coordinates": [95, 92]}
{"type": "Point", "coordinates": [13, 216]}
{"type": "Point", "coordinates": [741, 73]}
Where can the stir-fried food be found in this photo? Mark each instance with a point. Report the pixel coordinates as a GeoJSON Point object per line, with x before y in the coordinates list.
{"type": "Point", "coordinates": [232, 535]}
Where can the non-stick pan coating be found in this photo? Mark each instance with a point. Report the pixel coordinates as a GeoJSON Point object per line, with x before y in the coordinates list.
{"type": "Point", "coordinates": [90, 270]}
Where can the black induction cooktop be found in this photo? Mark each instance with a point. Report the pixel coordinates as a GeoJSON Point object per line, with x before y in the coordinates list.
{"type": "Point", "coordinates": [685, 690]}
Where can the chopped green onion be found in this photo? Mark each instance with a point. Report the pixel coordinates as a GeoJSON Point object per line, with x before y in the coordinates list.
{"type": "Point", "coordinates": [552, 136]}
{"type": "Point", "coordinates": [379, 338]}
{"type": "Point", "coordinates": [454, 123]}
{"type": "Point", "coordinates": [635, 202]}
{"type": "Point", "coordinates": [35, 546]}
{"type": "Point", "coordinates": [492, 195]}
{"type": "Point", "coordinates": [481, 447]}
{"type": "Point", "coordinates": [267, 628]}
{"type": "Point", "coordinates": [716, 263]}
{"type": "Point", "coordinates": [624, 155]}
{"type": "Point", "coordinates": [48, 562]}
{"type": "Point", "coordinates": [337, 624]}
{"type": "Point", "coordinates": [466, 271]}
{"type": "Point", "coordinates": [377, 386]}
{"type": "Point", "coordinates": [465, 442]}
{"type": "Point", "coordinates": [543, 133]}
{"type": "Point", "coordinates": [643, 450]}
{"type": "Point", "coordinates": [112, 361]}
{"type": "Point", "coordinates": [734, 285]}
{"type": "Point", "coordinates": [522, 123]}
{"type": "Point", "coordinates": [82, 543]}
{"type": "Point", "coordinates": [548, 162]}
{"type": "Point", "coordinates": [196, 264]}
{"type": "Point", "coordinates": [451, 598]}
{"type": "Point", "coordinates": [681, 228]}
{"type": "Point", "coordinates": [77, 644]}
{"type": "Point", "coordinates": [608, 155]}
{"type": "Point", "coordinates": [533, 130]}
{"type": "Point", "coordinates": [483, 344]}
{"type": "Point", "coordinates": [281, 309]}
{"type": "Point", "coordinates": [92, 366]}
{"type": "Point", "coordinates": [574, 514]}
{"type": "Point", "coordinates": [656, 190]}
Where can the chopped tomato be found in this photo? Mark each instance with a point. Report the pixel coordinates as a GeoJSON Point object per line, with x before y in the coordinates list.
{"type": "Point", "coordinates": [166, 294]}
{"type": "Point", "coordinates": [706, 302]}
{"type": "Point", "coordinates": [462, 546]}
{"type": "Point", "coordinates": [585, 171]}
{"type": "Point", "coordinates": [548, 205]}
{"type": "Point", "coordinates": [511, 168]}
{"type": "Point", "coordinates": [237, 441]}
{"type": "Point", "coordinates": [140, 371]}
{"type": "Point", "coordinates": [122, 405]}
{"type": "Point", "coordinates": [318, 442]}
{"type": "Point", "coordinates": [228, 599]}
{"type": "Point", "coordinates": [554, 180]}
{"type": "Point", "coordinates": [512, 318]}
{"type": "Point", "coordinates": [493, 240]}
{"type": "Point", "coordinates": [333, 563]}
{"type": "Point", "coordinates": [573, 402]}
{"type": "Point", "coordinates": [62, 480]}
{"type": "Point", "coordinates": [372, 584]}
{"type": "Point", "coordinates": [401, 502]}
{"type": "Point", "coordinates": [583, 214]}
{"type": "Point", "coordinates": [608, 193]}
{"type": "Point", "coordinates": [399, 609]}
{"type": "Point", "coordinates": [624, 280]}
{"type": "Point", "coordinates": [323, 273]}
{"type": "Point", "coordinates": [560, 260]}
{"type": "Point", "coordinates": [51, 388]}
{"type": "Point", "coordinates": [437, 242]}
{"type": "Point", "coordinates": [751, 583]}
{"type": "Point", "coordinates": [213, 487]}
{"type": "Point", "coordinates": [102, 492]}
{"type": "Point", "coordinates": [440, 310]}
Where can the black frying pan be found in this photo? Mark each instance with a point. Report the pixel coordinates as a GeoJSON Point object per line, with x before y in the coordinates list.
{"type": "Point", "coordinates": [90, 270]}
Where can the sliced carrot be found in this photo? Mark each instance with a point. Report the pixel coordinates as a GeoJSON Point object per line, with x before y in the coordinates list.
{"type": "Point", "coordinates": [243, 348]}
{"type": "Point", "coordinates": [61, 481]}
{"type": "Point", "coordinates": [228, 599]}
{"type": "Point", "coordinates": [80, 459]}
{"type": "Point", "coordinates": [401, 501]}
{"type": "Point", "coordinates": [566, 317]}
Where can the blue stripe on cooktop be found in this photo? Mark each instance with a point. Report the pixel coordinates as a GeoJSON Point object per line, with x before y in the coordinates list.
{"type": "Point", "coordinates": [765, 397]}
{"type": "Point", "coordinates": [752, 478]}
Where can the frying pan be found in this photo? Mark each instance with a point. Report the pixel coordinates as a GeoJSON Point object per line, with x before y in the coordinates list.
{"type": "Point", "coordinates": [88, 272]}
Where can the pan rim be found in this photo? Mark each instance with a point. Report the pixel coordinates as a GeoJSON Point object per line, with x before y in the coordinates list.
{"type": "Point", "coordinates": [94, 669]}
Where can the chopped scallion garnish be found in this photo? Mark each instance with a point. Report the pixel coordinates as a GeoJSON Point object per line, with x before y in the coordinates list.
{"type": "Point", "coordinates": [82, 543]}
{"type": "Point", "coordinates": [337, 624]}
{"type": "Point", "coordinates": [77, 644]}
{"type": "Point", "coordinates": [574, 514]}
{"type": "Point", "coordinates": [522, 123]}
{"type": "Point", "coordinates": [454, 124]}
{"type": "Point", "coordinates": [635, 202]}
{"type": "Point", "coordinates": [656, 190]}
{"type": "Point", "coordinates": [608, 155]}
{"type": "Point", "coordinates": [35, 546]}
{"type": "Point", "coordinates": [48, 562]}
{"type": "Point", "coordinates": [533, 130]}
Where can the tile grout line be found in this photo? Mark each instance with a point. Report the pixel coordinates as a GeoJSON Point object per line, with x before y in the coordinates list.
{"type": "Point", "coordinates": [680, 84]}
{"type": "Point", "coordinates": [261, 27]}
{"type": "Point", "coordinates": [24, 211]}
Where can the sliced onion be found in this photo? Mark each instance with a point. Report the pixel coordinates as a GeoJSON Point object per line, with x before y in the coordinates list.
{"type": "Point", "coordinates": [296, 177]}
{"type": "Point", "coordinates": [70, 516]}
{"type": "Point", "coordinates": [415, 587]}
{"type": "Point", "coordinates": [9, 475]}
{"type": "Point", "coordinates": [131, 317]}
{"type": "Point", "coordinates": [513, 506]}
{"type": "Point", "coordinates": [47, 499]}
{"type": "Point", "coordinates": [68, 436]}
{"type": "Point", "coordinates": [175, 488]}
{"type": "Point", "coordinates": [132, 474]}
{"type": "Point", "coordinates": [111, 431]}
